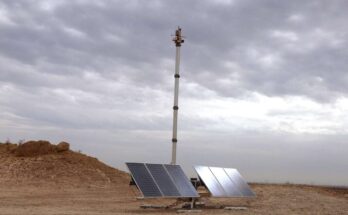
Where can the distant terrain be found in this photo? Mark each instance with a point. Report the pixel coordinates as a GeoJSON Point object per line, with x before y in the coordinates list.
{"type": "Point", "coordinates": [37, 177]}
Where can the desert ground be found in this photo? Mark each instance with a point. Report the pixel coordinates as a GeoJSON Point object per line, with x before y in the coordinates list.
{"type": "Point", "coordinates": [41, 178]}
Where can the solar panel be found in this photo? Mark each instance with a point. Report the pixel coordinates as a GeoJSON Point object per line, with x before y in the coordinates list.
{"type": "Point", "coordinates": [144, 180]}
{"type": "Point", "coordinates": [159, 180]}
{"type": "Point", "coordinates": [239, 182]}
{"type": "Point", "coordinates": [224, 182]}
{"type": "Point", "coordinates": [210, 181]}
{"type": "Point", "coordinates": [183, 184]}
{"type": "Point", "coordinates": [163, 180]}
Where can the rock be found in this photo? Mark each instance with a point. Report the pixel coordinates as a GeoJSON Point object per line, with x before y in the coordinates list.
{"type": "Point", "coordinates": [63, 146]}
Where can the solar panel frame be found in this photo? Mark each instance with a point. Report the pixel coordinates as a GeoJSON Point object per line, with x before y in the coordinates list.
{"type": "Point", "coordinates": [226, 179]}
{"type": "Point", "coordinates": [160, 173]}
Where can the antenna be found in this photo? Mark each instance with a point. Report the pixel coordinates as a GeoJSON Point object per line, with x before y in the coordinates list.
{"type": "Point", "coordinates": [177, 40]}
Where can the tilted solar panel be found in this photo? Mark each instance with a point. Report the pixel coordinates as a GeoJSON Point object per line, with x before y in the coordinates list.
{"type": "Point", "coordinates": [181, 181]}
{"type": "Point", "coordinates": [161, 180]}
{"type": "Point", "coordinates": [144, 180]}
{"type": "Point", "coordinates": [224, 182]}
{"type": "Point", "coordinates": [239, 182]}
{"type": "Point", "coordinates": [210, 181]}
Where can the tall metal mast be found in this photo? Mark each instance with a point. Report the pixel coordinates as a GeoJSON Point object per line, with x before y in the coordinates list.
{"type": "Point", "coordinates": [177, 40]}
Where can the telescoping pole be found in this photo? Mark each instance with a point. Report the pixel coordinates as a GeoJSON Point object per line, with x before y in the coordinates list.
{"type": "Point", "coordinates": [177, 40]}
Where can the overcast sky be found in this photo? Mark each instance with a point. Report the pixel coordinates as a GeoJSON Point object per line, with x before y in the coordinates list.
{"type": "Point", "coordinates": [263, 87]}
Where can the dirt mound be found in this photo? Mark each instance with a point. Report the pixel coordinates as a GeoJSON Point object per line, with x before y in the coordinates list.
{"type": "Point", "coordinates": [41, 163]}
{"type": "Point", "coordinates": [40, 147]}
{"type": "Point", "coordinates": [34, 148]}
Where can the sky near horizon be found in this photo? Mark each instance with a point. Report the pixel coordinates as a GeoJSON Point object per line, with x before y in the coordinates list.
{"type": "Point", "coordinates": [263, 87]}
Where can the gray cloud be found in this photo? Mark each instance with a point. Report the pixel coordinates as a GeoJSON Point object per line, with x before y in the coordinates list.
{"type": "Point", "coordinates": [305, 54]}
{"type": "Point", "coordinates": [103, 72]}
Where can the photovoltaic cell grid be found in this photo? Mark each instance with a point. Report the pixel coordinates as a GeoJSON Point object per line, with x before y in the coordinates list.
{"type": "Point", "coordinates": [161, 180]}
{"type": "Point", "coordinates": [224, 182]}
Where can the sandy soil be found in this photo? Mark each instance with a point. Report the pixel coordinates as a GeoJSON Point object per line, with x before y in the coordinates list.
{"type": "Point", "coordinates": [48, 182]}
{"type": "Point", "coordinates": [271, 199]}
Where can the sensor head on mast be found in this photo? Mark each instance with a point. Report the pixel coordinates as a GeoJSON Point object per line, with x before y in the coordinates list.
{"type": "Point", "coordinates": [178, 38]}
